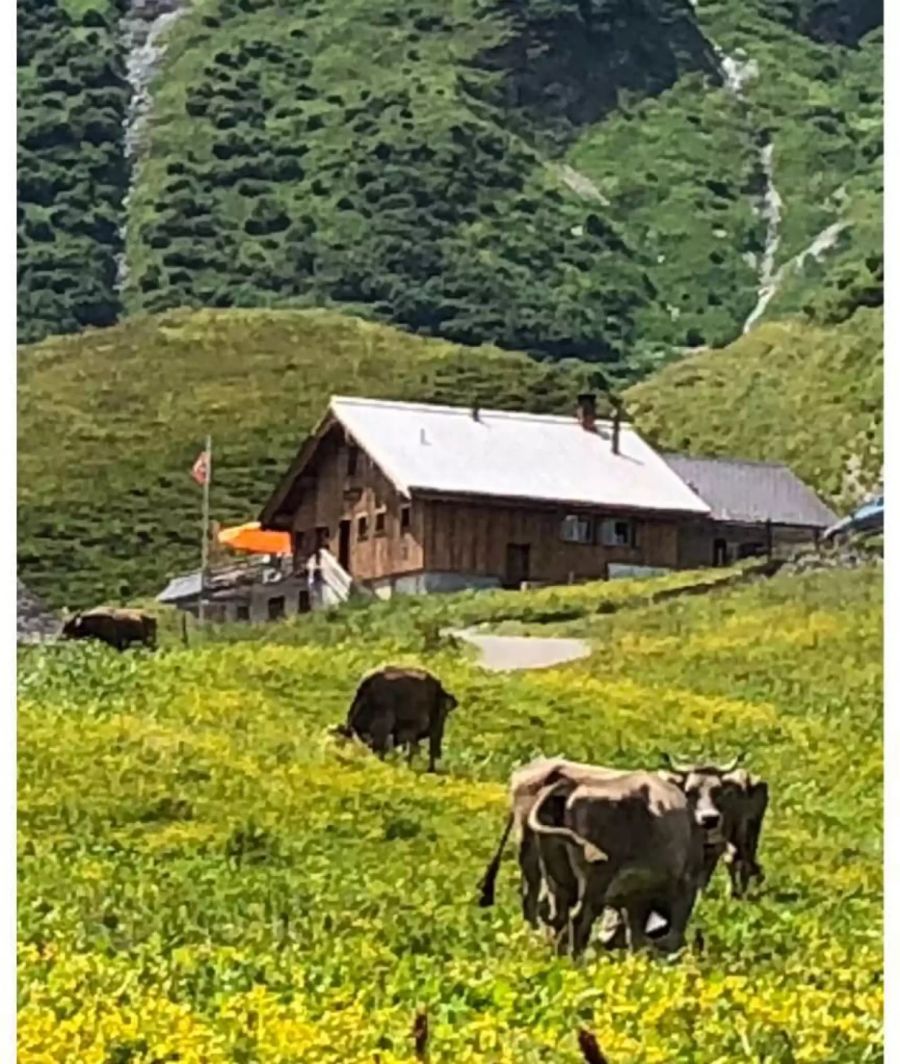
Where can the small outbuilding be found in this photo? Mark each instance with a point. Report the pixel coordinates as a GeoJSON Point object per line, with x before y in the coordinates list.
{"type": "Point", "coordinates": [755, 508]}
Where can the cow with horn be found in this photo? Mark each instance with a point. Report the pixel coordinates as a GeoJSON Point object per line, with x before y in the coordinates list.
{"type": "Point", "coordinates": [728, 804]}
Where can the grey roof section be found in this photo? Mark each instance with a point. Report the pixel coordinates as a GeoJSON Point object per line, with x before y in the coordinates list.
{"type": "Point", "coordinates": [226, 580]}
{"type": "Point", "coordinates": [181, 587]}
{"type": "Point", "coordinates": [752, 492]}
{"type": "Point", "coordinates": [34, 622]}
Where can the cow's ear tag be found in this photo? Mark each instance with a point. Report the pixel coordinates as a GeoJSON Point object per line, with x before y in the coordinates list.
{"type": "Point", "coordinates": [656, 924]}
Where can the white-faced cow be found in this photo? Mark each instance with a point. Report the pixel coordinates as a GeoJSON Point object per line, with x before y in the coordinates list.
{"type": "Point", "coordinates": [729, 805]}
{"type": "Point", "coordinates": [634, 851]}
{"type": "Point", "coordinates": [400, 706]}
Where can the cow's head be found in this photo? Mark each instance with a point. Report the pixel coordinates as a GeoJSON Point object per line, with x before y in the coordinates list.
{"type": "Point", "coordinates": [708, 789]}
{"type": "Point", "coordinates": [72, 626]}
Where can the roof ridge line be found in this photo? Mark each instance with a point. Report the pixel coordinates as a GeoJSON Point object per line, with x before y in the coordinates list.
{"type": "Point", "coordinates": [414, 404]}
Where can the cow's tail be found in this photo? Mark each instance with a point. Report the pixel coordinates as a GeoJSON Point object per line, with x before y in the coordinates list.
{"type": "Point", "coordinates": [591, 852]}
{"type": "Point", "coordinates": [489, 880]}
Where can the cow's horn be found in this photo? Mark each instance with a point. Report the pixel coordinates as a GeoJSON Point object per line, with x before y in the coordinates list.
{"type": "Point", "coordinates": [675, 766]}
{"type": "Point", "coordinates": [733, 763]}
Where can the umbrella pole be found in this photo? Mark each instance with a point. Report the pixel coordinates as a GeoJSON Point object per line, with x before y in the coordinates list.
{"type": "Point", "coordinates": [204, 539]}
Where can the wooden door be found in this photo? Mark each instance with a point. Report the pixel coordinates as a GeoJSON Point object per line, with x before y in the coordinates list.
{"type": "Point", "coordinates": [344, 545]}
{"type": "Point", "coordinates": [518, 564]}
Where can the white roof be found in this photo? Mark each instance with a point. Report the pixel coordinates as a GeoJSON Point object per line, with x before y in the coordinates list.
{"type": "Point", "coordinates": [512, 455]}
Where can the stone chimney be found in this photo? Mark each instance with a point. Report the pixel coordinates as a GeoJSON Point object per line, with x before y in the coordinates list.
{"type": "Point", "coordinates": [587, 411]}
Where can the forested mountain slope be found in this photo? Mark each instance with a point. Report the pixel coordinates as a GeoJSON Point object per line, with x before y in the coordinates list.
{"type": "Point", "coordinates": [598, 178]}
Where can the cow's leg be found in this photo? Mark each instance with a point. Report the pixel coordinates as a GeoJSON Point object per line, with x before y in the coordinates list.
{"type": "Point", "coordinates": [580, 924]}
{"type": "Point", "coordinates": [613, 928]}
{"type": "Point", "coordinates": [593, 885]}
{"type": "Point", "coordinates": [530, 866]}
{"type": "Point", "coordinates": [679, 904]}
{"type": "Point", "coordinates": [562, 884]}
{"type": "Point", "coordinates": [711, 855]}
{"type": "Point", "coordinates": [434, 745]}
{"type": "Point", "coordinates": [734, 862]}
{"type": "Point", "coordinates": [636, 914]}
{"type": "Point", "coordinates": [759, 800]}
{"type": "Point", "coordinates": [412, 750]}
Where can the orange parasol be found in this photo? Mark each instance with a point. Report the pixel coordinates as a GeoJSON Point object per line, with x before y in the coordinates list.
{"type": "Point", "coordinates": [251, 537]}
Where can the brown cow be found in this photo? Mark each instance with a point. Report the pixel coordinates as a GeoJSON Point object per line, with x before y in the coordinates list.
{"type": "Point", "coordinates": [117, 628]}
{"type": "Point", "coordinates": [634, 851]}
{"type": "Point", "coordinates": [402, 706]}
{"type": "Point", "coordinates": [525, 784]}
{"type": "Point", "coordinates": [729, 805]}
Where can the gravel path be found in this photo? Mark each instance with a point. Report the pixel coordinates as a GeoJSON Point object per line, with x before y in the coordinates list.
{"type": "Point", "coordinates": [505, 653]}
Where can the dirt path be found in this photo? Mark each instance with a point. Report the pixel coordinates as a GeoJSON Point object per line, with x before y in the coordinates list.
{"type": "Point", "coordinates": [505, 653]}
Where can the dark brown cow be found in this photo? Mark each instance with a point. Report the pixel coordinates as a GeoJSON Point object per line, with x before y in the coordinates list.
{"type": "Point", "coordinates": [400, 706]}
{"type": "Point", "coordinates": [117, 628]}
{"type": "Point", "coordinates": [634, 852]}
{"type": "Point", "coordinates": [525, 784]}
{"type": "Point", "coordinates": [729, 805]}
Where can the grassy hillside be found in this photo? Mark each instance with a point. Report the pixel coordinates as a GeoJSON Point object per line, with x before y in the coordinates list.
{"type": "Point", "coordinates": [111, 421]}
{"type": "Point", "coordinates": [203, 872]}
{"type": "Point", "coordinates": [809, 395]}
{"type": "Point", "coordinates": [564, 177]}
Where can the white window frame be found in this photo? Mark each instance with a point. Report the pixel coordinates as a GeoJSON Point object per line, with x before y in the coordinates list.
{"type": "Point", "coordinates": [609, 535]}
{"type": "Point", "coordinates": [576, 528]}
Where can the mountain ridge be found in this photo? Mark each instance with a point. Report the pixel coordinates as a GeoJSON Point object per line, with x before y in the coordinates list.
{"type": "Point", "coordinates": [568, 179]}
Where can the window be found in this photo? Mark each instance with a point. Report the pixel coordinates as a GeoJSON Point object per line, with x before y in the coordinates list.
{"type": "Point", "coordinates": [362, 528]}
{"type": "Point", "coordinates": [405, 518]}
{"type": "Point", "coordinates": [276, 607]}
{"type": "Point", "coordinates": [322, 537]}
{"type": "Point", "coordinates": [303, 603]}
{"type": "Point", "coordinates": [576, 529]}
{"type": "Point", "coordinates": [352, 460]}
{"type": "Point", "coordinates": [380, 521]}
{"type": "Point", "coordinates": [617, 532]}
{"type": "Point", "coordinates": [243, 613]}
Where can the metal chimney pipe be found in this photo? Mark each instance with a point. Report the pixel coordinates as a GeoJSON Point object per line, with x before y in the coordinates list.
{"type": "Point", "coordinates": [617, 421]}
{"type": "Point", "coordinates": [587, 411]}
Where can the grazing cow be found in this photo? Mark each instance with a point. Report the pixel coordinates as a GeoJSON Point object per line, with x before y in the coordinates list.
{"type": "Point", "coordinates": [117, 628]}
{"type": "Point", "coordinates": [634, 852]}
{"type": "Point", "coordinates": [403, 706]}
{"type": "Point", "coordinates": [525, 784]}
{"type": "Point", "coordinates": [729, 805]}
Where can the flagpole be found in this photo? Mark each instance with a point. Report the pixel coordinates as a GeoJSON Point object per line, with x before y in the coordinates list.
{"type": "Point", "coordinates": [204, 540]}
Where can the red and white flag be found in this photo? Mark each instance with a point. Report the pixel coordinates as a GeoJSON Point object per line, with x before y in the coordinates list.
{"type": "Point", "coordinates": [200, 468]}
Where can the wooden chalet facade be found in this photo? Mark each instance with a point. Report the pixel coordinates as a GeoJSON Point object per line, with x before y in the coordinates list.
{"type": "Point", "coordinates": [411, 498]}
